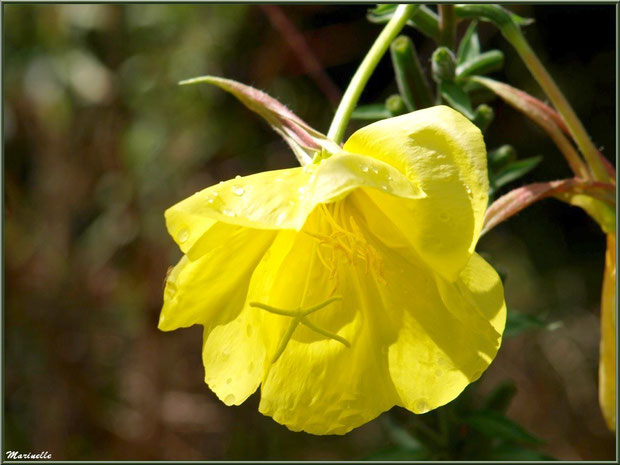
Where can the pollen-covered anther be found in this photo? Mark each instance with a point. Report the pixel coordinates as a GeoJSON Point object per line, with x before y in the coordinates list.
{"type": "Point", "coordinates": [348, 244]}
{"type": "Point", "coordinates": [298, 316]}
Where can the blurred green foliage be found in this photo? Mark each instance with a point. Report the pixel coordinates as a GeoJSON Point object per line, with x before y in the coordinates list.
{"type": "Point", "coordinates": [99, 141]}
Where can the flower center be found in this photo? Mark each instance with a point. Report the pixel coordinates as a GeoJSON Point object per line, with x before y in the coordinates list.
{"type": "Point", "coordinates": [345, 240]}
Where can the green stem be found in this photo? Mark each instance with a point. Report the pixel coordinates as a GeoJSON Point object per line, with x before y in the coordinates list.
{"type": "Point", "coordinates": [447, 25]}
{"type": "Point", "coordinates": [366, 68]}
{"type": "Point", "coordinates": [515, 37]}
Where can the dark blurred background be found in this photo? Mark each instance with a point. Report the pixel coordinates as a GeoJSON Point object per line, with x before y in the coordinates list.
{"type": "Point", "coordinates": [99, 141]}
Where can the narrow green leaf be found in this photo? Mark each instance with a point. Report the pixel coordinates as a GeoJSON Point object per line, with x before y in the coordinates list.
{"type": "Point", "coordinates": [496, 14]}
{"type": "Point", "coordinates": [469, 47]}
{"type": "Point", "coordinates": [456, 97]}
{"type": "Point", "coordinates": [515, 170]}
{"type": "Point", "coordinates": [493, 424]}
{"type": "Point", "coordinates": [481, 64]}
{"type": "Point", "coordinates": [375, 111]}
{"type": "Point", "coordinates": [501, 396]}
{"type": "Point", "coordinates": [517, 323]}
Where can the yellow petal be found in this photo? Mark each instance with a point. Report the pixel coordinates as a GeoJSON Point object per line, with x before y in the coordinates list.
{"type": "Point", "coordinates": [234, 352]}
{"type": "Point", "coordinates": [318, 384]}
{"type": "Point", "coordinates": [214, 284]}
{"type": "Point", "coordinates": [443, 153]}
{"type": "Point", "coordinates": [448, 332]}
{"type": "Point", "coordinates": [607, 363]}
{"type": "Point", "coordinates": [283, 199]}
{"type": "Point", "coordinates": [234, 356]}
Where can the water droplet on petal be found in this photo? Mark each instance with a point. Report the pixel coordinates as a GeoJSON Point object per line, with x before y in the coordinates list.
{"type": "Point", "coordinates": [228, 212]}
{"type": "Point", "coordinates": [365, 168]}
{"type": "Point", "coordinates": [375, 170]}
{"type": "Point", "coordinates": [183, 235]}
{"type": "Point", "coordinates": [229, 399]}
{"type": "Point", "coordinates": [438, 373]}
{"type": "Point", "coordinates": [229, 380]}
{"type": "Point", "coordinates": [421, 406]}
{"type": "Point", "coordinates": [238, 190]}
{"type": "Point", "coordinates": [237, 177]}
{"type": "Point", "coordinates": [384, 187]}
{"type": "Point", "coordinates": [291, 203]}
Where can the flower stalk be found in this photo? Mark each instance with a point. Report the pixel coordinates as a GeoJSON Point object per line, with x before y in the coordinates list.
{"type": "Point", "coordinates": [365, 70]}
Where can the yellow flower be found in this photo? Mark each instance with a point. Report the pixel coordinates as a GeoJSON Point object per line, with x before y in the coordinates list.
{"type": "Point", "coordinates": [347, 286]}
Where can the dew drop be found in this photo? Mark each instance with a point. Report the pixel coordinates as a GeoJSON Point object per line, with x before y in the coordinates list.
{"type": "Point", "coordinates": [421, 406]}
{"type": "Point", "coordinates": [238, 190]}
{"type": "Point", "coordinates": [389, 178]}
{"type": "Point", "coordinates": [211, 196]}
{"type": "Point", "coordinates": [229, 399]}
{"type": "Point", "coordinates": [228, 212]}
{"type": "Point", "coordinates": [237, 177]}
{"type": "Point", "coordinates": [365, 168]}
{"type": "Point", "coordinates": [302, 190]}
{"type": "Point", "coordinates": [438, 373]}
{"type": "Point", "coordinates": [468, 190]}
{"type": "Point", "coordinates": [229, 380]}
{"type": "Point", "coordinates": [384, 187]}
{"type": "Point", "coordinates": [183, 235]}
{"type": "Point", "coordinates": [291, 203]}
{"type": "Point", "coordinates": [248, 330]}
{"type": "Point", "coordinates": [375, 170]}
